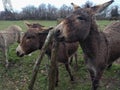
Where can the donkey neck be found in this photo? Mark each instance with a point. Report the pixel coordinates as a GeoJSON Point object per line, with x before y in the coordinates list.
{"type": "Point", "coordinates": [42, 40]}
{"type": "Point", "coordinates": [93, 43]}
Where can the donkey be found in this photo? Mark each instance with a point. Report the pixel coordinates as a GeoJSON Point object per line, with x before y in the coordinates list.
{"type": "Point", "coordinates": [100, 48]}
{"type": "Point", "coordinates": [7, 37]}
{"type": "Point", "coordinates": [33, 40]}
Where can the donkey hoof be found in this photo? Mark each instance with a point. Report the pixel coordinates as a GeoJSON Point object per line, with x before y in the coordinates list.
{"type": "Point", "coordinates": [56, 84]}
{"type": "Point", "coordinates": [72, 79]}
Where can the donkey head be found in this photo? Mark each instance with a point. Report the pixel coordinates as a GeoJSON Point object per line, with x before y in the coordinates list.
{"type": "Point", "coordinates": [77, 26]}
{"type": "Point", "coordinates": [32, 40]}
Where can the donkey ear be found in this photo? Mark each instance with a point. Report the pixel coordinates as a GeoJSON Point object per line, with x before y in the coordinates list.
{"type": "Point", "coordinates": [28, 24]}
{"type": "Point", "coordinates": [47, 28]}
{"type": "Point", "coordinates": [100, 8]}
{"type": "Point", "coordinates": [75, 6]}
{"type": "Point", "coordinates": [45, 31]}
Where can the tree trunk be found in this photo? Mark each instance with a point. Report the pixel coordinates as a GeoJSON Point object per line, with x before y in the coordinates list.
{"type": "Point", "coordinates": [39, 59]}
{"type": "Point", "coordinates": [53, 66]}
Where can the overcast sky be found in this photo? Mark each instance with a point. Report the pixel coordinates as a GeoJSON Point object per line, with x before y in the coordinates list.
{"type": "Point", "coordinates": [19, 4]}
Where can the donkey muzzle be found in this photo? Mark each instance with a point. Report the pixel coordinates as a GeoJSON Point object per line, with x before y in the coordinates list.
{"type": "Point", "coordinates": [19, 51]}
{"type": "Point", "coordinates": [58, 36]}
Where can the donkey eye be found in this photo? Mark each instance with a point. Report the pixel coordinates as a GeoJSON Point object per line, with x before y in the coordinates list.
{"type": "Point", "coordinates": [30, 37]}
{"type": "Point", "coordinates": [80, 18]}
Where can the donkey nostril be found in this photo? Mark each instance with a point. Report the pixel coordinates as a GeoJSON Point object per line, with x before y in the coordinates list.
{"type": "Point", "coordinates": [57, 32]}
{"type": "Point", "coordinates": [17, 53]}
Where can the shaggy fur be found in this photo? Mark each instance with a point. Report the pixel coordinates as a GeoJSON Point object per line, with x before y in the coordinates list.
{"type": "Point", "coordinates": [7, 37]}
{"type": "Point", "coordinates": [33, 40]}
{"type": "Point", "coordinates": [100, 48]}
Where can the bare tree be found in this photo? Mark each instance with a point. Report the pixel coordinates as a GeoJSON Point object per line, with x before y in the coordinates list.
{"type": "Point", "coordinates": [51, 12]}
{"type": "Point", "coordinates": [64, 11]}
{"type": "Point", "coordinates": [6, 15]}
{"type": "Point", "coordinates": [42, 11]}
{"type": "Point", "coordinates": [87, 4]}
{"type": "Point", "coordinates": [114, 13]}
{"type": "Point", "coordinates": [29, 12]}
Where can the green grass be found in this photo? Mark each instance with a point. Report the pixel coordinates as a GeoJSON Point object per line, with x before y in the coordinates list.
{"type": "Point", "coordinates": [18, 76]}
{"type": "Point", "coordinates": [103, 23]}
{"type": "Point", "coordinates": [5, 24]}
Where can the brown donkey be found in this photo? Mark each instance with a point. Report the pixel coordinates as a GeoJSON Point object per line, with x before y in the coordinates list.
{"type": "Point", "coordinates": [33, 40]}
{"type": "Point", "coordinates": [100, 48]}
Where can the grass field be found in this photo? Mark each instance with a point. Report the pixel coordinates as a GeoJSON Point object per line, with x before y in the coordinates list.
{"type": "Point", "coordinates": [18, 75]}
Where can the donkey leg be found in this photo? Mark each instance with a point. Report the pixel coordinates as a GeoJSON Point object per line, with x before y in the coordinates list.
{"type": "Point", "coordinates": [109, 66]}
{"type": "Point", "coordinates": [95, 78]}
{"type": "Point", "coordinates": [57, 77]}
{"type": "Point", "coordinates": [70, 60]}
{"type": "Point", "coordinates": [4, 50]}
{"type": "Point", "coordinates": [6, 57]}
{"type": "Point", "coordinates": [69, 71]}
{"type": "Point", "coordinates": [92, 75]}
{"type": "Point", "coordinates": [76, 62]}
{"type": "Point", "coordinates": [5, 53]}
